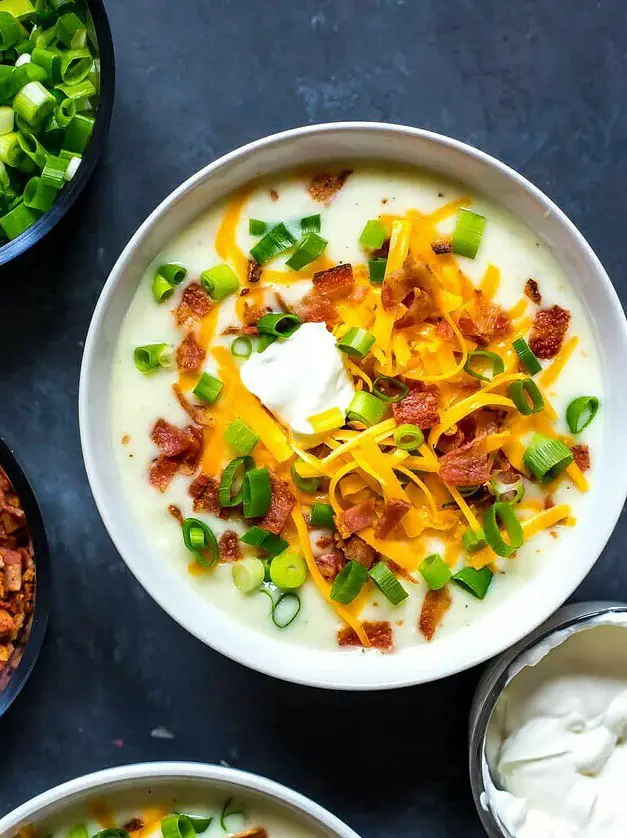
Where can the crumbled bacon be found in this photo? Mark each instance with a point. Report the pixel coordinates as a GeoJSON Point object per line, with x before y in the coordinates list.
{"type": "Point", "coordinates": [488, 322]}
{"type": "Point", "coordinates": [134, 825]}
{"type": "Point", "coordinates": [393, 513]}
{"type": "Point", "coordinates": [549, 328]}
{"type": "Point", "coordinates": [176, 513]}
{"type": "Point", "coordinates": [162, 470]}
{"type": "Point", "coordinates": [314, 308]}
{"type": "Point", "coordinates": [201, 414]}
{"type": "Point", "coordinates": [329, 564]}
{"type": "Point", "coordinates": [355, 549]}
{"type": "Point", "coordinates": [421, 406]}
{"type": "Point", "coordinates": [255, 832]}
{"type": "Point", "coordinates": [355, 518]}
{"type": "Point", "coordinates": [532, 291]}
{"type": "Point", "coordinates": [358, 294]}
{"type": "Point", "coordinates": [467, 465]}
{"type": "Point", "coordinates": [445, 331]}
{"type": "Point", "coordinates": [419, 307]}
{"type": "Point", "coordinates": [7, 626]}
{"type": "Point", "coordinates": [204, 490]}
{"type": "Point", "coordinates": [581, 453]}
{"type": "Point", "coordinates": [442, 246]}
{"type": "Point", "coordinates": [191, 458]}
{"type": "Point", "coordinates": [195, 304]}
{"type": "Point", "coordinates": [281, 506]}
{"type": "Point", "coordinates": [170, 440]}
{"type": "Point", "coordinates": [334, 283]}
{"type": "Point", "coordinates": [254, 313]}
{"type": "Point", "coordinates": [398, 284]}
{"type": "Point", "coordinates": [254, 271]}
{"type": "Point", "coordinates": [228, 546]}
{"type": "Point", "coordinates": [434, 607]}
{"type": "Point", "coordinates": [379, 633]}
{"type": "Point", "coordinates": [180, 448]}
{"type": "Point", "coordinates": [190, 354]}
{"type": "Point", "coordinates": [274, 195]}
{"type": "Point", "coordinates": [324, 187]}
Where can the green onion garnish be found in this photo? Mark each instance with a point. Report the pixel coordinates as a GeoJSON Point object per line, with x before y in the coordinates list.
{"type": "Point", "coordinates": [288, 571]}
{"type": "Point", "coordinates": [468, 233]}
{"type": "Point", "coordinates": [476, 359]}
{"type": "Point", "coordinates": [200, 540]}
{"type": "Point", "coordinates": [264, 341]}
{"type": "Point", "coordinates": [78, 132]}
{"type": "Point", "coordinates": [219, 281]}
{"type": "Point", "coordinates": [173, 826]}
{"type": "Point", "coordinates": [286, 609]}
{"type": "Point", "coordinates": [373, 235]}
{"type": "Point", "coordinates": [248, 574]}
{"type": "Point", "coordinates": [227, 812]}
{"type": "Point", "coordinates": [408, 437]}
{"type": "Point", "coordinates": [71, 31]}
{"type": "Point", "coordinates": [310, 247]}
{"type": "Point", "coordinates": [526, 396]}
{"type": "Point", "coordinates": [105, 833]}
{"type": "Point", "coordinates": [241, 437]}
{"type": "Point", "coordinates": [322, 516]}
{"type": "Point", "coordinates": [473, 541]}
{"type": "Point", "coordinates": [230, 492]}
{"type": "Point", "coordinates": [366, 408]}
{"type": "Point", "coordinates": [547, 458]}
{"type": "Point", "coordinates": [526, 357]}
{"type": "Point", "coordinates": [279, 325]}
{"type": "Point", "coordinates": [387, 583]}
{"type": "Point", "coordinates": [38, 196]}
{"type": "Point", "coordinates": [502, 513]}
{"type": "Point", "coordinates": [242, 347]}
{"type": "Point", "coordinates": [10, 32]}
{"type": "Point", "coordinates": [257, 227]}
{"type": "Point", "coordinates": [164, 280]}
{"type": "Point", "coordinates": [208, 388]}
{"type": "Point", "coordinates": [349, 582]}
{"type": "Point", "coordinates": [389, 389]}
{"type": "Point", "coordinates": [310, 485]}
{"type": "Point", "coordinates": [475, 582]}
{"type": "Point", "coordinates": [511, 493]}
{"type": "Point", "coordinates": [53, 172]}
{"type": "Point", "coordinates": [581, 412]}
{"type": "Point", "coordinates": [256, 492]}
{"type": "Point", "coordinates": [17, 220]}
{"type": "Point", "coordinates": [34, 103]}
{"type": "Point", "coordinates": [153, 355]}
{"type": "Point", "coordinates": [264, 540]}
{"type": "Point", "coordinates": [79, 830]}
{"type": "Point", "coordinates": [435, 571]}
{"type": "Point", "coordinates": [276, 241]}
{"type": "Point", "coordinates": [310, 224]}
{"type": "Point", "coordinates": [356, 343]}
{"type": "Point", "coordinates": [376, 270]}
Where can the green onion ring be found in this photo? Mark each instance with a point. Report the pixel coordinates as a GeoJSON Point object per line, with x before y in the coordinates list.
{"type": "Point", "coordinates": [242, 347]}
{"type": "Point", "coordinates": [468, 233]}
{"type": "Point", "coordinates": [498, 365]}
{"type": "Point", "coordinates": [475, 582]}
{"type": "Point", "coordinates": [526, 356]}
{"type": "Point", "coordinates": [356, 343]}
{"type": "Point", "coordinates": [227, 812]}
{"type": "Point", "coordinates": [395, 384]}
{"type": "Point", "coordinates": [200, 540]}
{"type": "Point", "coordinates": [408, 437]}
{"type": "Point", "coordinates": [208, 388]}
{"type": "Point", "coordinates": [265, 541]}
{"type": "Point", "coordinates": [152, 356]}
{"type": "Point", "coordinates": [366, 408]}
{"type": "Point", "coordinates": [348, 583]}
{"type": "Point", "coordinates": [322, 516]}
{"type": "Point", "coordinates": [231, 492]}
{"type": "Point", "coordinates": [502, 512]}
{"type": "Point", "coordinates": [435, 571]}
{"type": "Point", "coordinates": [580, 413]}
{"type": "Point", "coordinates": [387, 583]}
{"type": "Point", "coordinates": [473, 541]}
{"type": "Point", "coordinates": [256, 492]}
{"type": "Point", "coordinates": [501, 491]}
{"type": "Point", "coordinates": [310, 485]}
{"type": "Point", "coordinates": [547, 458]}
{"type": "Point", "coordinates": [279, 325]}
{"type": "Point", "coordinates": [526, 396]}
{"type": "Point", "coordinates": [177, 826]}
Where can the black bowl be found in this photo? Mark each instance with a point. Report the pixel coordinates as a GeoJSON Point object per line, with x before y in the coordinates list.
{"type": "Point", "coordinates": [43, 580]}
{"type": "Point", "coordinates": [73, 189]}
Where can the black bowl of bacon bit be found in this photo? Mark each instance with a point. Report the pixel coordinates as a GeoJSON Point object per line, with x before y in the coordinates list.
{"type": "Point", "coordinates": [24, 578]}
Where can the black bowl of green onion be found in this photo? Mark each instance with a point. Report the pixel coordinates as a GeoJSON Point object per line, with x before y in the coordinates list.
{"type": "Point", "coordinates": [57, 77]}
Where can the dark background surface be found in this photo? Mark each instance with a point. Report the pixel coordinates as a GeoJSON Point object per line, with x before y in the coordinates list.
{"type": "Point", "coordinates": [540, 84]}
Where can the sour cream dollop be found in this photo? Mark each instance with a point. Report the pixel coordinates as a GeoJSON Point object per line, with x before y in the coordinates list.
{"type": "Point", "coordinates": [300, 377]}
{"type": "Point", "coordinates": [557, 741]}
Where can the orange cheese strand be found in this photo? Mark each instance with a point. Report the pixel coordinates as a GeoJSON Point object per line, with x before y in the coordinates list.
{"type": "Point", "coordinates": [151, 818]}
{"type": "Point", "coordinates": [550, 374]}
{"type": "Point", "coordinates": [491, 281]}
{"type": "Point", "coordinates": [226, 238]}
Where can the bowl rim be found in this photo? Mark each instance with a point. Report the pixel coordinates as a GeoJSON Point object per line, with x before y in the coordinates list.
{"type": "Point", "coordinates": [69, 195]}
{"type": "Point", "coordinates": [43, 575]}
{"type": "Point", "coordinates": [273, 665]}
{"type": "Point", "coordinates": [99, 781]}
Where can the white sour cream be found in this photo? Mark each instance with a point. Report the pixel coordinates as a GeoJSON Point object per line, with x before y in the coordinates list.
{"type": "Point", "coordinates": [300, 377]}
{"type": "Point", "coordinates": [557, 736]}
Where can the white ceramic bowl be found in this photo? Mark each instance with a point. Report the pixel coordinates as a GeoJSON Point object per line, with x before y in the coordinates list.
{"type": "Point", "coordinates": [579, 548]}
{"type": "Point", "coordinates": [184, 778]}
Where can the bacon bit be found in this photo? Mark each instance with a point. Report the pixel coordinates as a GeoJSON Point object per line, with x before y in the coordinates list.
{"type": "Point", "coordinates": [134, 825]}
{"type": "Point", "coordinates": [358, 295]}
{"type": "Point", "coordinates": [255, 832]}
{"type": "Point", "coordinates": [7, 626]}
{"type": "Point", "coordinates": [126, 439]}
{"type": "Point", "coordinates": [419, 306]}
{"type": "Point", "coordinates": [549, 503]}
{"type": "Point", "coordinates": [254, 271]}
{"type": "Point", "coordinates": [254, 313]}
{"type": "Point", "coordinates": [355, 549]}
{"type": "Point", "coordinates": [324, 187]}
{"type": "Point", "coordinates": [204, 490]}
{"type": "Point", "coordinates": [281, 506]}
{"type": "Point", "coordinates": [379, 633]}
{"type": "Point", "coordinates": [201, 414]}
{"type": "Point", "coordinates": [314, 308]}
{"type": "Point", "coordinates": [549, 327]}
{"type": "Point", "coordinates": [445, 331]}
{"type": "Point", "coordinates": [169, 439]}
{"type": "Point", "coordinates": [421, 406]}
{"type": "Point", "coordinates": [489, 322]}
{"type": "Point", "coordinates": [162, 470]}
{"type": "Point", "coordinates": [397, 285]}
{"type": "Point", "coordinates": [382, 252]}
{"type": "Point", "coordinates": [228, 546]}
{"type": "Point", "coordinates": [176, 513]}
{"type": "Point", "coordinates": [241, 330]}
{"type": "Point", "coordinates": [195, 304]}
{"type": "Point", "coordinates": [393, 513]}
{"type": "Point", "coordinates": [352, 520]}
{"type": "Point", "coordinates": [190, 354]}
{"type": "Point", "coordinates": [274, 195]}
{"type": "Point", "coordinates": [325, 541]}
{"type": "Point", "coordinates": [400, 571]}
{"type": "Point", "coordinates": [244, 292]}
{"type": "Point", "coordinates": [581, 453]}
{"type": "Point", "coordinates": [442, 246]}
{"type": "Point", "coordinates": [467, 465]}
{"type": "Point", "coordinates": [329, 564]}
{"type": "Point", "coordinates": [532, 291]}
{"type": "Point", "coordinates": [193, 455]}
{"type": "Point", "coordinates": [334, 283]}
{"type": "Point", "coordinates": [434, 607]}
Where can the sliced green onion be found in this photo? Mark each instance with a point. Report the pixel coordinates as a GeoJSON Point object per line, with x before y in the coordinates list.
{"type": "Point", "coordinates": [10, 150]}
{"type": "Point", "coordinates": [286, 609]}
{"type": "Point", "coordinates": [511, 493]}
{"type": "Point", "coordinates": [387, 583]}
{"type": "Point", "coordinates": [310, 224]}
{"type": "Point", "coordinates": [376, 270]}
{"type": "Point", "coordinates": [50, 61]}
{"type": "Point", "coordinates": [279, 325]}
{"type": "Point", "coordinates": [276, 241]}
{"type": "Point", "coordinates": [76, 65]}
{"type": "Point", "coordinates": [356, 343]}
{"type": "Point", "coordinates": [310, 485]}
{"type": "Point", "coordinates": [164, 280]}
{"type": "Point", "coordinates": [322, 516]}
{"type": "Point", "coordinates": [482, 355]}
{"type": "Point", "coordinates": [240, 437]}
{"type": "Point", "coordinates": [468, 233]}
{"type": "Point", "coordinates": [34, 103]}
{"type": "Point", "coordinates": [526, 356]}
{"type": "Point", "coordinates": [256, 227]}
{"type": "Point", "coordinates": [256, 492]}
{"type": "Point", "coordinates": [231, 492]}
{"type": "Point", "coordinates": [227, 812]}
{"type": "Point", "coordinates": [373, 235]}
{"type": "Point", "coordinates": [177, 826]}
{"type": "Point", "coordinates": [20, 9]}
{"type": "Point", "coordinates": [502, 513]}
{"type": "Point", "coordinates": [242, 347]}
{"type": "Point", "coordinates": [200, 540]}
{"type": "Point", "coordinates": [219, 282]}
{"type": "Point", "coordinates": [17, 220]}
{"type": "Point", "coordinates": [408, 437]}
{"type": "Point", "coordinates": [435, 571]}
{"type": "Point", "coordinates": [53, 172]}
{"type": "Point", "coordinates": [111, 833]}
{"type": "Point", "coordinates": [248, 575]}
{"type": "Point", "coordinates": [389, 389]}
{"type": "Point", "coordinates": [366, 408]}
{"type": "Point", "coordinates": [581, 412]}
{"type": "Point", "coordinates": [78, 132]}
{"type": "Point", "coordinates": [38, 196]}
{"type": "Point", "coordinates": [264, 540]}
{"type": "Point", "coordinates": [475, 582]}
{"type": "Point", "coordinates": [349, 582]}
{"type": "Point", "coordinates": [10, 31]}
{"type": "Point", "coordinates": [310, 248]}
{"type": "Point", "coordinates": [153, 355]}
{"type": "Point", "coordinates": [172, 272]}
{"type": "Point", "coordinates": [526, 396]}
{"type": "Point", "coordinates": [208, 388]}
{"type": "Point", "coordinates": [71, 31]}
{"type": "Point", "coordinates": [264, 341]}
{"type": "Point", "coordinates": [288, 571]}
{"type": "Point", "coordinates": [23, 75]}
{"type": "Point", "coordinates": [473, 541]}
{"type": "Point", "coordinates": [7, 120]}
{"type": "Point", "coordinates": [79, 830]}
{"type": "Point", "coordinates": [547, 458]}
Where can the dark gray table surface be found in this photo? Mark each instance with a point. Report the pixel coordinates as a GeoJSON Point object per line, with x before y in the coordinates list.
{"type": "Point", "coordinates": [541, 84]}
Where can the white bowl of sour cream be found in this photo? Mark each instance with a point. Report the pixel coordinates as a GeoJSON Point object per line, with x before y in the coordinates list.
{"type": "Point", "coordinates": [527, 235]}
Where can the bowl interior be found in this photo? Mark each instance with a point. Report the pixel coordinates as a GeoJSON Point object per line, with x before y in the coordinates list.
{"type": "Point", "coordinates": [578, 548]}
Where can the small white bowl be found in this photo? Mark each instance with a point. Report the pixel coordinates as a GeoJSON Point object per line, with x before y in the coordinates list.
{"type": "Point", "coordinates": [188, 778]}
{"type": "Point", "coordinates": [578, 549]}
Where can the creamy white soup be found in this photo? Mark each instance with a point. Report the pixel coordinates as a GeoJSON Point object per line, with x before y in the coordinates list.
{"type": "Point", "coordinates": [383, 384]}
